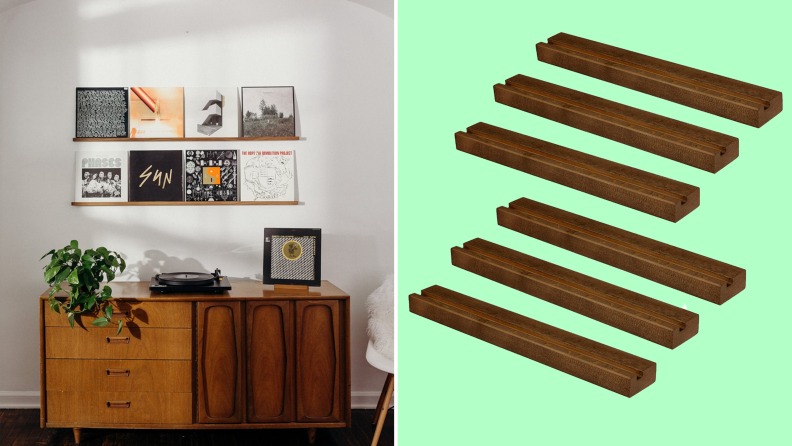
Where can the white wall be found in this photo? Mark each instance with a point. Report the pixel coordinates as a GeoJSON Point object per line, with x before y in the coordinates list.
{"type": "Point", "coordinates": [337, 54]}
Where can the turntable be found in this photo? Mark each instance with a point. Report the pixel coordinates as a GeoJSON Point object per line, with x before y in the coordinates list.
{"type": "Point", "coordinates": [190, 282]}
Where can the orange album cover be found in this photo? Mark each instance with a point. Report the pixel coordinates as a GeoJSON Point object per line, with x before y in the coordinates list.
{"type": "Point", "coordinates": [156, 112]}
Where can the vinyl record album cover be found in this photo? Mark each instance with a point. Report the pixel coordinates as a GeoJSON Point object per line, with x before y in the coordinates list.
{"type": "Point", "coordinates": [156, 175]}
{"type": "Point", "coordinates": [268, 111]}
{"type": "Point", "coordinates": [211, 175]}
{"type": "Point", "coordinates": [266, 175]}
{"type": "Point", "coordinates": [156, 112]}
{"type": "Point", "coordinates": [102, 113]}
{"type": "Point", "coordinates": [211, 112]}
{"type": "Point", "coordinates": [292, 256]}
{"type": "Point", "coordinates": [101, 176]}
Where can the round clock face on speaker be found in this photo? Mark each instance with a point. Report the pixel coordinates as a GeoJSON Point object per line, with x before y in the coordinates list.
{"type": "Point", "coordinates": [292, 250]}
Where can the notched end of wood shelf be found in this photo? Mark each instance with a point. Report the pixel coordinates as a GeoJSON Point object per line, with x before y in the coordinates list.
{"type": "Point", "coordinates": [597, 363]}
{"type": "Point", "coordinates": [719, 95]}
{"type": "Point", "coordinates": [634, 188]}
{"type": "Point", "coordinates": [634, 313]}
{"type": "Point", "coordinates": [686, 271]}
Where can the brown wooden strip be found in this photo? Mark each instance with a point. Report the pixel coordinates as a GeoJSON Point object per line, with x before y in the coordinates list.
{"type": "Point", "coordinates": [669, 138]}
{"type": "Point", "coordinates": [634, 313]}
{"type": "Point", "coordinates": [729, 98]}
{"type": "Point", "coordinates": [591, 361]}
{"type": "Point", "coordinates": [677, 268]}
{"type": "Point", "coordinates": [634, 188]}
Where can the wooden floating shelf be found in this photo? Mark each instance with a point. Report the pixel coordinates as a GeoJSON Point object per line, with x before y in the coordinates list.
{"type": "Point", "coordinates": [187, 203]}
{"type": "Point", "coordinates": [666, 137]}
{"type": "Point", "coordinates": [575, 355]}
{"type": "Point", "coordinates": [637, 189]}
{"type": "Point", "coordinates": [674, 267]}
{"type": "Point", "coordinates": [274, 138]}
{"type": "Point", "coordinates": [728, 98]}
{"type": "Point", "coordinates": [634, 313]}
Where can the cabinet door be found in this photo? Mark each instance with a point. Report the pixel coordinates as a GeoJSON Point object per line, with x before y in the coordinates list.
{"type": "Point", "coordinates": [318, 361]}
{"type": "Point", "coordinates": [220, 397]}
{"type": "Point", "coordinates": [270, 362]}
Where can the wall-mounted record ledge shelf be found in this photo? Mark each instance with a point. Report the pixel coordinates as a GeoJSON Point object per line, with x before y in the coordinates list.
{"type": "Point", "coordinates": [269, 138]}
{"type": "Point", "coordinates": [186, 203]}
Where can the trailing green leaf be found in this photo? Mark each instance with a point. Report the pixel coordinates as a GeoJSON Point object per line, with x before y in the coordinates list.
{"type": "Point", "coordinates": [71, 319]}
{"type": "Point", "coordinates": [52, 251]}
{"type": "Point", "coordinates": [100, 322]}
{"type": "Point", "coordinates": [73, 277]}
{"type": "Point", "coordinates": [120, 326]}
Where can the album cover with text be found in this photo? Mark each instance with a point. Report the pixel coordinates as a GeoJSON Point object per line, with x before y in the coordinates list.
{"type": "Point", "coordinates": [101, 176]}
{"type": "Point", "coordinates": [156, 175]}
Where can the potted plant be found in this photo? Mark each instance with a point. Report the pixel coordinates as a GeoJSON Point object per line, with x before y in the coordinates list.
{"type": "Point", "coordinates": [84, 273]}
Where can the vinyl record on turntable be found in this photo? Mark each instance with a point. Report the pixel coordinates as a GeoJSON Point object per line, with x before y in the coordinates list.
{"type": "Point", "coordinates": [292, 256]}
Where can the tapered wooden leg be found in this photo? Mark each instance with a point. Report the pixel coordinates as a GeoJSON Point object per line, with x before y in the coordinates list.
{"type": "Point", "coordinates": [383, 412]}
{"type": "Point", "coordinates": [388, 380]}
{"type": "Point", "coordinates": [311, 435]}
{"type": "Point", "coordinates": [77, 435]}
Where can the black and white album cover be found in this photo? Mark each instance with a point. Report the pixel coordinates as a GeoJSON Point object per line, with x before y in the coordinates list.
{"type": "Point", "coordinates": [292, 256]}
{"type": "Point", "coordinates": [156, 175]}
{"type": "Point", "coordinates": [211, 175]}
{"type": "Point", "coordinates": [101, 176]}
{"type": "Point", "coordinates": [102, 113]}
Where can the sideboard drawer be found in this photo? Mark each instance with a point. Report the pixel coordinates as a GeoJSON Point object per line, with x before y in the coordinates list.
{"type": "Point", "coordinates": [119, 407]}
{"type": "Point", "coordinates": [125, 375]}
{"type": "Point", "coordinates": [134, 314]}
{"type": "Point", "coordinates": [132, 343]}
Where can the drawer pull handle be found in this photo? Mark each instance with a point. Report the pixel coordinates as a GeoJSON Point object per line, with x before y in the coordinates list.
{"type": "Point", "coordinates": [118, 404]}
{"type": "Point", "coordinates": [117, 339]}
{"type": "Point", "coordinates": [117, 372]}
{"type": "Point", "coordinates": [119, 314]}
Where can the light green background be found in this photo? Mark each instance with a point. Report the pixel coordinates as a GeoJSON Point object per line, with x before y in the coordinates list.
{"type": "Point", "coordinates": [730, 384]}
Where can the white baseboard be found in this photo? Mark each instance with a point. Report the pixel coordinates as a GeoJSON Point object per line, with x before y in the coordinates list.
{"type": "Point", "coordinates": [31, 400]}
{"type": "Point", "coordinates": [20, 400]}
{"type": "Point", "coordinates": [368, 400]}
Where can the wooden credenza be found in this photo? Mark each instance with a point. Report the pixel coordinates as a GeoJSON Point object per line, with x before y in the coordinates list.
{"type": "Point", "coordinates": [253, 357]}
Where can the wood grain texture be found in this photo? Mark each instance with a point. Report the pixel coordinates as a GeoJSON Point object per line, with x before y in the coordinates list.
{"type": "Point", "coordinates": [270, 362]}
{"type": "Point", "coordinates": [220, 368]}
{"type": "Point", "coordinates": [677, 268]}
{"type": "Point", "coordinates": [208, 139]}
{"type": "Point", "coordinates": [583, 358]}
{"type": "Point", "coordinates": [240, 291]}
{"type": "Point", "coordinates": [133, 314]}
{"type": "Point", "coordinates": [637, 189]}
{"type": "Point", "coordinates": [666, 137]}
{"type": "Point", "coordinates": [132, 343]}
{"type": "Point", "coordinates": [186, 203]}
{"type": "Point", "coordinates": [319, 361]}
{"type": "Point", "coordinates": [144, 407]}
{"type": "Point", "coordinates": [729, 98]}
{"type": "Point", "coordinates": [88, 375]}
{"type": "Point", "coordinates": [634, 313]}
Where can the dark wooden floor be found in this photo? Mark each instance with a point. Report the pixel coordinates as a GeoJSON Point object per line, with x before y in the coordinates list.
{"type": "Point", "coordinates": [21, 428]}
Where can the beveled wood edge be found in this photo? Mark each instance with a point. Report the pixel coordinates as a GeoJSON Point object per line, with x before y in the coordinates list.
{"type": "Point", "coordinates": [543, 335]}
{"type": "Point", "coordinates": [346, 335]}
{"type": "Point", "coordinates": [42, 364]}
{"type": "Point", "coordinates": [670, 253]}
{"type": "Point", "coordinates": [190, 139]}
{"type": "Point", "coordinates": [209, 297]}
{"type": "Point", "coordinates": [691, 142]}
{"type": "Point", "coordinates": [186, 203]}
{"type": "Point", "coordinates": [609, 300]}
{"type": "Point", "coordinates": [292, 425]}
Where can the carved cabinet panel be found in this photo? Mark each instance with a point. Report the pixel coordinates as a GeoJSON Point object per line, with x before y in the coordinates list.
{"type": "Point", "coordinates": [220, 355]}
{"type": "Point", "coordinates": [318, 361]}
{"type": "Point", "coordinates": [270, 362]}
